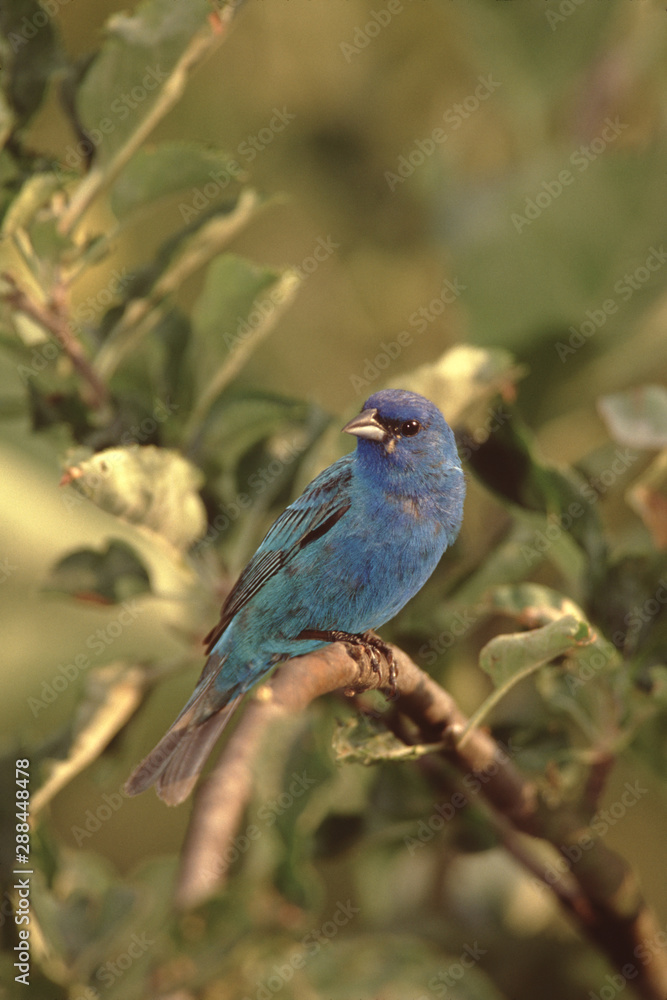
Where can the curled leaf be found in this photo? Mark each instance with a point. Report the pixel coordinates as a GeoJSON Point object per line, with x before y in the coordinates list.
{"type": "Point", "coordinates": [153, 487]}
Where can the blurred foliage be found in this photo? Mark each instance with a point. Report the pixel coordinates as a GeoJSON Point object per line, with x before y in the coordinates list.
{"type": "Point", "coordinates": [217, 270]}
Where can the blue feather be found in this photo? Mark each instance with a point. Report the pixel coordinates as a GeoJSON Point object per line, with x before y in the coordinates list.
{"type": "Point", "coordinates": [346, 556]}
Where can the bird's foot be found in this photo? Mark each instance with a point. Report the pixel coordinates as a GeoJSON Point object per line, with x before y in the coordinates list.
{"type": "Point", "coordinates": [377, 647]}
{"type": "Point", "coordinates": [367, 642]}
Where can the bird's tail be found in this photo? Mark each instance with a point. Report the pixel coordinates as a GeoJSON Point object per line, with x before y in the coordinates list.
{"type": "Point", "coordinates": [174, 765]}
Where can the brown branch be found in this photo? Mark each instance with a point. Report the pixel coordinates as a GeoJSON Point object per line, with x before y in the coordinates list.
{"type": "Point", "coordinates": [598, 890]}
{"type": "Point", "coordinates": [53, 317]}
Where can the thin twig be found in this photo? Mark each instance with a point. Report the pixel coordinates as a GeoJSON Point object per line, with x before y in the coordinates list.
{"type": "Point", "coordinates": [281, 296]}
{"type": "Point", "coordinates": [599, 891]}
{"type": "Point", "coordinates": [53, 317]}
{"type": "Point", "coordinates": [202, 45]}
{"type": "Point", "coordinates": [141, 315]}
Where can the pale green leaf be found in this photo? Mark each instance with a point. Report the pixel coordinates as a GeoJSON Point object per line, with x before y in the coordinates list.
{"type": "Point", "coordinates": [464, 380]}
{"type": "Point", "coordinates": [171, 167]}
{"type": "Point", "coordinates": [238, 308]}
{"type": "Point", "coordinates": [637, 417]}
{"type": "Point", "coordinates": [153, 487]}
{"type": "Point", "coordinates": [220, 317]}
{"type": "Point", "coordinates": [507, 658]}
{"type": "Point", "coordinates": [358, 742]}
{"type": "Point", "coordinates": [114, 693]}
{"type": "Point", "coordinates": [35, 192]}
{"type": "Point", "coordinates": [532, 604]}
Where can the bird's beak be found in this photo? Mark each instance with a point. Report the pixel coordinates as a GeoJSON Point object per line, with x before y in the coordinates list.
{"type": "Point", "coordinates": [366, 425]}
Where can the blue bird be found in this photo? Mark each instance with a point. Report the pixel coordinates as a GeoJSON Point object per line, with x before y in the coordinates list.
{"type": "Point", "coordinates": [343, 559]}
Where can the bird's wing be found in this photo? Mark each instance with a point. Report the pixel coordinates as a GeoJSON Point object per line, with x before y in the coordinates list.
{"type": "Point", "coordinates": [320, 506]}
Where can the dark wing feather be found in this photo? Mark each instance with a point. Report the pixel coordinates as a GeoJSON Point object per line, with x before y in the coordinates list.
{"type": "Point", "coordinates": [252, 579]}
{"type": "Point", "coordinates": [317, 510]}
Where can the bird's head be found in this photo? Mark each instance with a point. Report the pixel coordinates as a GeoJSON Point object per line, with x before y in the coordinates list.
{"type": "Point", "coordinates": [402, 434]}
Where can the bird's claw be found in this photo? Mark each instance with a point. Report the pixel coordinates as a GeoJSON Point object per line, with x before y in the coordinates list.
{"type": "Point", "coordinates": [376, 647]}
{"type": "Point", "coordinates": [357, 645]}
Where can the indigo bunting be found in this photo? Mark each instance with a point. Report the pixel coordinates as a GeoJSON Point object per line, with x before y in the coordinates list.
{"type": "Point", "coordinates": [343, 559]}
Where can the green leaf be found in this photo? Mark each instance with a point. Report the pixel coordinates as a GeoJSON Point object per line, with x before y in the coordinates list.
{"type": "Point", "coordinates": [89, 913]}
{"type": "Point", "coordinates": [260, 428]}
{"type": "Point", "coordinates": [508, 463]}
{"type": "Point", "coordinates": [109, 576]}
{"type": "Point", "coordinates": [136, 79]}
{"type": "Point", "coordinates": [153, 487]}
{"type": "Point", "coordinates": [637, 417]}
{"type": "Point", "coordinates": [220, 314]}
{"type": "Point", "coordinates": [351, 968]}
{"type": "Point", "coordinates": [464, 380]}
{"type": "Point", "coordinates": [233, 315]}
{"type": "Point", "coordinates": [532, 604]}
{"type": "Point", "coordinates": [30, 55]}
{"type": "Point", "coordinates": [149, 296]}
{"type": "Point", "coordinates": [358, 741]}
{"type": "Point", "coordinates": [169, 167]}
{"type": "Point", "coordinates": [140, 53]}
{"type": "Point", "coordinates": [509, 658]}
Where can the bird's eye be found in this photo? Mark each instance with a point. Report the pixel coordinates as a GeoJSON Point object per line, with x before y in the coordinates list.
{"type": "Point", "coordinates": [410, 428]}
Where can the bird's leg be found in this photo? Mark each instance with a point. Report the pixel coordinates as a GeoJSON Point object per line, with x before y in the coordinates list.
{"type": "Point", "coordinates": [378, 645]}
{"type": "Point", "coordinates": [369, 641]}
